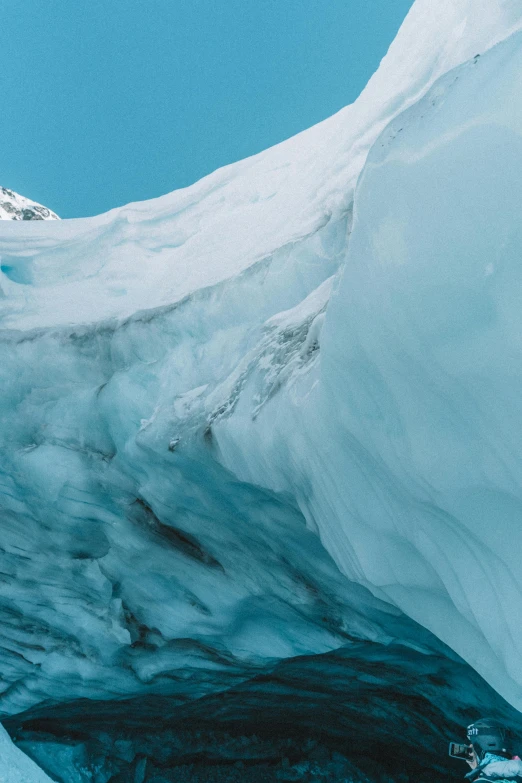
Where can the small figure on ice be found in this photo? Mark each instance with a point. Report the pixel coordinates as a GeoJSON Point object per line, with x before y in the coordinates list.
{"type": "Point", "coordinates": [489, 753]}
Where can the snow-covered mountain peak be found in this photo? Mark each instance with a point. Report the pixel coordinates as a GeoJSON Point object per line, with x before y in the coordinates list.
{"type": "Point", "coordinates": [16, 207]}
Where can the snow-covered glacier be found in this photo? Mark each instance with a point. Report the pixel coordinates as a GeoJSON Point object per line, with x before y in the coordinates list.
{"type": "Point", "coordinates": [261, 437]}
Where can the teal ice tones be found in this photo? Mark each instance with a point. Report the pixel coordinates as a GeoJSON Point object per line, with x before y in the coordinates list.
{"type": "Point", "coordinates": [107, 102]}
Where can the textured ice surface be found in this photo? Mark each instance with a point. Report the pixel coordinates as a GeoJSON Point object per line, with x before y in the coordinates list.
{"type": "Point", "coordinates": [15, 766]}
{"type": "Point", "coordinates": [129, 552]}
{"type": "Point", "coordinates": [185, 403]}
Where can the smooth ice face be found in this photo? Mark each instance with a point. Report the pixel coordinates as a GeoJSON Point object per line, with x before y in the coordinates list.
{"type": "Point", "coordinates": [408, 443]}
{"type": "Point", "coordinates": [157, 252]}
{"type": "Point", "coordinates": [428, 377]}
{"type": "Point", "coordinates": [182, 396]}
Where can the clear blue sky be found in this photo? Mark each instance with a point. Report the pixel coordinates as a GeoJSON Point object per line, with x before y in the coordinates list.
{"type": "Point", "coordinates": [109, 101]}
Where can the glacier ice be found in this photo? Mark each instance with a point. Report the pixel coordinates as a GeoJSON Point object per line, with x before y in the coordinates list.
{"type": "Point", "coordinates": [277, 414]}
{"type": "Point", "coordinates": [155, 253]}
{"type": "Point", "coordinates": [415, 399]}
{"type": "Point", "coordinates": [16, 766]}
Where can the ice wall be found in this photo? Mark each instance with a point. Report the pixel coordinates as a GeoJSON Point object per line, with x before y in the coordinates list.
{"type": "Point", "coordinates": [408, 431]}
{"type": "Point", "coordinates": [128, 552]}
{"type": "Point", "coordinates": [180, 391]}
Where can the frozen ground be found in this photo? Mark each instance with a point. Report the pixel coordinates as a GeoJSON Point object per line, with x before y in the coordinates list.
{"type": "Point", "coordinates": [277, 415]}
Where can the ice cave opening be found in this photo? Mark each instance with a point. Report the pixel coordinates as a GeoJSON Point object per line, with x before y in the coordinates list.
{"type": "Point", "coordinates": [368, 713]}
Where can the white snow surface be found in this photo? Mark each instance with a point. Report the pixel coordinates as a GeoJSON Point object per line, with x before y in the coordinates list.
{"type": "Point", "coordinates": [15, 766]}
{"type": "Point", "coordinates": [16, 207]}
{"type": "Point", "coordinates": [164, 363]}
{"type": "Point", "coordinates": [156, 252]}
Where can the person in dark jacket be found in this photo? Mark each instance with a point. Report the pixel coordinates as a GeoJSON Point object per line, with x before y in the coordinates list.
{"type": "Point", "coordinates": [491, 753]}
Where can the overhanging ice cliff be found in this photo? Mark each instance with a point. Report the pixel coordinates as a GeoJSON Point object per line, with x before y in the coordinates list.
{"type": "Point", "coordinates": [197, 387]}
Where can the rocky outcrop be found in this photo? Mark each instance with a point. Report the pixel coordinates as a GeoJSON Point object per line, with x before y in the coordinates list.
{"type": "Point", "coordinates": [16, 207]}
